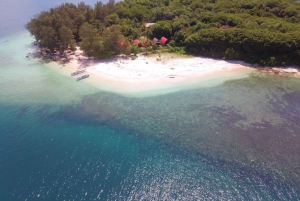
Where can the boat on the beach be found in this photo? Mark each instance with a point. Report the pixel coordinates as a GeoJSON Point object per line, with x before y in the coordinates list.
{"type": "Point", "coordinates": [78, 72]}
{"type": "Point", "coordinates": [83, 77]}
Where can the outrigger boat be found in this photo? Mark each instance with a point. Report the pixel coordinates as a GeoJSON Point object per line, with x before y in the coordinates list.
{"type": "Point", "coordinates": [78, 72]}
{"type": "Point", "coordinates": [83, 77]}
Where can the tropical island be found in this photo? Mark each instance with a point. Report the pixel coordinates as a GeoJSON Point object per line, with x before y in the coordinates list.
{"type": "Point", "coordinates": [265, 32]}
{"type": "Point", "coordinates": [242, 33]}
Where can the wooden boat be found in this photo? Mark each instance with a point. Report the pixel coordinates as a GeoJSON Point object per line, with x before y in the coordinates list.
{"type": "Point", "coordinates": [83, 77]}
{"type": "Point", "coordinates": [78, 72]}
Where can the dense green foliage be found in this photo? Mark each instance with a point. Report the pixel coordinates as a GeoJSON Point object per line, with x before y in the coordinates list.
{"type": "Point", "coordinates": [265, 31]}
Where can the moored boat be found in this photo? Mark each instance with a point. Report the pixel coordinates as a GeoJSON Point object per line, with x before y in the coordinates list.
{"type": "Point", "coordinates": [78, 72]}
{"type": "Point", "coordinates": [83, 77]}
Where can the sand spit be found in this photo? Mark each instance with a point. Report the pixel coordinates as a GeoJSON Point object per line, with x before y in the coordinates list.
{"type": "Point", "coordinates": [153, 74]}
{"type": "Point", "coordinates": [157, 73]}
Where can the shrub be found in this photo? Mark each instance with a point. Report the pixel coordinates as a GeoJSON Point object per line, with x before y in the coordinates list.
{"type": "Point", "coordinates": [180, 50]}
{"type": "Point", "coordinates": [154, 47]}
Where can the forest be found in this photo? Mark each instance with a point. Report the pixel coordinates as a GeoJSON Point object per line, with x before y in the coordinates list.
{"type": "Point", "coordinates": [256, 31]}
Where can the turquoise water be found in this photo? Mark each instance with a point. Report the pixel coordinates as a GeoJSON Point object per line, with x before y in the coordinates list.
{"type": "Point", "coordinates": [65, 140]}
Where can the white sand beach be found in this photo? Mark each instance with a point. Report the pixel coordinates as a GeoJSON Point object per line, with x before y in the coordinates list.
{"type": "Point", "coordinates": [154, 74]}
{"type": "Point", "coordinates": [149, 75]}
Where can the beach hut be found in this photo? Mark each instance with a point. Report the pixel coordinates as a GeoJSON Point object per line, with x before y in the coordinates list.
{"type": "Point", "coordinates": [147, 25]}
{"type": "Point", "coordinates": [155, 41]}
{"type": "Point", "coordinates": [163, 40]}
{"type": "Point", "coordinates": [136, 42]}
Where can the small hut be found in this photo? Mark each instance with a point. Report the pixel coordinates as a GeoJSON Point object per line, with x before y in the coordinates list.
{"type": "Point", "coordinates": [136, 42]}
{"type": "Point", "coordinates": [155, 41]}
{"type": "Point", "coordinates": [147, 25]}
{"type": "Point", "coordinates": [163, 40]}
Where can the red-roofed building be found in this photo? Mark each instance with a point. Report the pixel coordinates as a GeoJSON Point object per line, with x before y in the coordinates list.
{"type": "Point", "coordinates": [136, 42]}
{"type": "Point", "coordinates": [163, 40]}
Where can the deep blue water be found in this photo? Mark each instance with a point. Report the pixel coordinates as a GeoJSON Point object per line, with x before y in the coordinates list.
{"type": "Point", "coordinates": [61, 140]}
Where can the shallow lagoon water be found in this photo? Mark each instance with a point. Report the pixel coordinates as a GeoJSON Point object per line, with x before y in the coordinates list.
{"type": "Point", "coordinates": [65, 140]}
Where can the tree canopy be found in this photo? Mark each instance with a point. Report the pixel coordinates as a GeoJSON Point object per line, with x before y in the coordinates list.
{"type": "Point", "coordinates": [265, 32]}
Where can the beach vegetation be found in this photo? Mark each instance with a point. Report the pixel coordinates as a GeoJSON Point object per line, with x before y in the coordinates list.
{"type": "Point", "coordinates": [154, 47]}
{"type": "Point", "coordinates": [265, 32]}
{"type": "Point", "coordinates": [135, 49]}
{"type": "Point", "coordinates": [90, 39]}
{"type": "Point", "coordinates": [180, 50]}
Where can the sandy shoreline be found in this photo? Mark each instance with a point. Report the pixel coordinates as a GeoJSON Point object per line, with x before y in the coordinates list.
{"type": "Point", "coordinates": [148, 75]}
{"type": "Point", "coordinates": [154, 74]}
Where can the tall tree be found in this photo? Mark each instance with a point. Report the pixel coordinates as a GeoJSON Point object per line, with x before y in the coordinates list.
{"type": "Point", "coordinates": [89, 39]}
{"type": "Point", "coordinates": [48, 38]}
{"type": "Point", "coordinates": [65, 37]}
{"type": "Point", "coordinates": [112, 40]}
